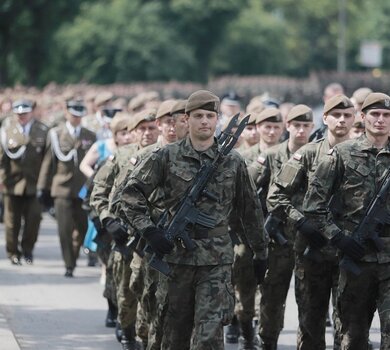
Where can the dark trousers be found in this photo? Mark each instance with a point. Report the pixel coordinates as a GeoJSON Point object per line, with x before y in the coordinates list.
{"type": "Point", "coordinates": [16, 209]}
{"type": "Point", "coordinates": [72, 224]}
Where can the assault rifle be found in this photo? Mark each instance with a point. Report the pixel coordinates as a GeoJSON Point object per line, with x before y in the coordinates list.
{"type": "Point", "coordinates": [373, 223]}
{"type": "Point", "coordinates": [187, 214]}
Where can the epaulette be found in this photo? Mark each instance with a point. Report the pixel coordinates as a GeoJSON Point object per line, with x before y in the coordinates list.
{"type": "Point", "coordinates": [330, 152]}
{"type": "Point", "coordinates": [111, 157]}
{"type": "Point", "coordinates": [133, 160]}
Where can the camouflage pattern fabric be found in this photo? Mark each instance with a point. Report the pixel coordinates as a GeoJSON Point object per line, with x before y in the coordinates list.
{"type": "Point", "coordinates": [314, 282]}
{"type": "Point", "coordinates": [353, 169]}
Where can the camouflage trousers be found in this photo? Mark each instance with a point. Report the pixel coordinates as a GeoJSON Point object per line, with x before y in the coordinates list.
{"type": "Point", "coordinates": [244, 283]}
{"type": "Point", "coordinates": [158, 313]}
{"type": "Point", "coordinates": [358, 298]}
{"type": "Point", "coordinates": [314, 283]}
{"type": "Point", "coordinates": [200, 302]}
{"type": "Point", "coordinates": [127, 302]}
{"type": "Point", "coordinates": [137, 287]}
{"type": "Point", "coordinates": [273, 291]}
{"type": "Point", "coordinates": [110, 291]}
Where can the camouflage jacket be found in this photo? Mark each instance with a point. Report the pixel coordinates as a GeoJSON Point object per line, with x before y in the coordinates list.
{"type": "Point", "coordinates": [105, 180]}
{"type": "Point", "coordinates": [250, 154]}
{"type": "Point", "coordinates": [172, 168]}
{"type": "Point", "coordinates": [353, 169]}
{"type": "Point", "coordinates": [286, 194]}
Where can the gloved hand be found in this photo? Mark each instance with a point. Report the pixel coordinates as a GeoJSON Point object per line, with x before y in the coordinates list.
{"type": "Point", "coordinates": [260, 267]}
{"type": "Point", "coordinates": [97, 223]}
{"type": "Point", "coordinates": [348, 245]}
{"type": "Point", "coordinates": [157, 241]}
{"type": "Point", "coordinates": [312, 234]}
{"type": "Point", "coordinates": [45, 198]}
{"type": "Point", "coordinates": [117, 230]}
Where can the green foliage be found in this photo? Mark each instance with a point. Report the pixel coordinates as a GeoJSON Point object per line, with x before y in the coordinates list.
{"type": "Point", "coordinates": [106, 41]}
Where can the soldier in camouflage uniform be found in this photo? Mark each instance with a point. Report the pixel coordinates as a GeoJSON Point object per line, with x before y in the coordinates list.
{"type": "Point", "coordinates": [200, 294]}
{"type": "Point", "coordinates": [281, 258]}
{"type": "Point", "coordinates": [314, 279]}
{"type": "Point", "coordinates": [270, 126]}
{"type": "Point", "coordinates": [105, 182]}
{"type": "Point", "coordinates": [354, 170]}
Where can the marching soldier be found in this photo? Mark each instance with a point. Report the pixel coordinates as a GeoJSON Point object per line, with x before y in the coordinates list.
{"type": "Point", "coordinates": [354, 170]}
{"type": "Point", "coordinates": [61, 178]}
{"type": "Point", "coordinates": [315, 280]}
{"type": "Point", "coordinates": [281, 257]}
{"type": "Point", "coordinates": [23, 142]}
{"type": "Point", "coordinates": [200, 295]}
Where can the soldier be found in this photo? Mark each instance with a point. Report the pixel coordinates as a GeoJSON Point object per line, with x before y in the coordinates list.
{"type": "Point", "coordinates": [250, 136]}
{"type": "Point", "coordinates": [269, 125]}
{"type": "Point", "coordinates": [105, 183]}
{"type": "Point", "coordinates": [200, 294]}
{"type": "Point", "coordinates": [314, 280]}
{"type": "Point", "coordinates": [61, 177]}
{"type": "Point", "coordinates": [23, 142]}
{"type": "Point", "coordinates": [353, 170]}
{"type": "Point", "coordinates": [281, 257]}
{"type": "Point", "coordinates": [99, 122]}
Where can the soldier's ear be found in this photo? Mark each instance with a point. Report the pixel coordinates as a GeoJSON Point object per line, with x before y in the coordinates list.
{"type": "Point", "coordinates": [324, 117]}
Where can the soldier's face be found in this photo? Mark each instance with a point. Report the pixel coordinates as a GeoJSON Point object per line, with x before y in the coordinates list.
{"type": "Point", "coordinates": [122, 137]}
{"type": "Point", "coordinates": [75, 121]}
{"type": "Point", "coordinates": [377, 121]}
{"type": "Point", "coordinates": [299, 131]}
{"type": "Point", "coordinates": [24, 118]}
{"type": "Point", "coordinates": [181, 126]}
{"type": "Point", "coordinates": [250, 135]}
{"type": "Point", "coordinates": [147, 133]}
{"type": "Point", "coordinates": [202, 124]}
{"type": "Point", "coordinates": [340, 121]}
{"type": "Point", "coordinates": [167, 128]}
{"type": "Point", "coordinates": [270, 133]}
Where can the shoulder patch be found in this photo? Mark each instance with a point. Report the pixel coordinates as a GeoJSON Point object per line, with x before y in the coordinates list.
{"type": "Point", "coordinates": [297, 156]}
{"type": "Point", "coordinates": [261, 160]}
{"type": "Point", "coordinates": [330, 152]}
{"type": "Point", "coordinates": [133, 160]}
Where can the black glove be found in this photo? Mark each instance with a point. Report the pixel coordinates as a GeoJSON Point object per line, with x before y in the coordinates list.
{"type": "Point", "coordinates": [312, 234]}
{"type": "Point", "coordinates": [260, 268]}
{"type": "Point", "coordinates": [348, 245]}
{"type": "Point", "coordinates": [117, 230]}
{"type": "Point", "coordinates": [45, 198]}
{"type": "Point", "coordinates": [156, 239]}
{"type": "Point", "coordinates": [97, 223]}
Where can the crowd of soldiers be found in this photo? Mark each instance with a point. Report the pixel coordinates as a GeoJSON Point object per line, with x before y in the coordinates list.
{"type": "Point", "coordinates": [286, 201]}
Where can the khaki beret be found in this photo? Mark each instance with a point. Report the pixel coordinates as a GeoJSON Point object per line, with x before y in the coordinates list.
{"type": "Point", "coordinates": [360, 95]}
{"type": "Point", "coordinates": [102, 98]}
{"type": "Point", "coordinates": [376, 100]}
{"type": "Point", "coordinates": [145, 115]}
{"type": "Point", "coordinates": [120, 122]}
{"type": "Point", "coordinates": [270, 115]}
{"type": "Point", "coordinates": [165, 108]}
{"type": "Point", "coordinates": [179, 107]}
{"type": "Point", "coordinates": [138, 101]}
{"type": "Point", "coordinates": [338, 101]}
{"type": "Point", "coordinates": [301, 113]}
{"type": "Point", "coordinates": [255, 106]}
{"type": "Point", "coordinates": [203, 99]}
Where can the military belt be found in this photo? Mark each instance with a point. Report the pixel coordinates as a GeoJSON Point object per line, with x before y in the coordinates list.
{"type": "Point", "coordinates": [202, 233]}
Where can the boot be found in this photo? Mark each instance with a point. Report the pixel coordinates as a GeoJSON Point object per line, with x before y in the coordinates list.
{"type": "Point", "coordinates": [128, 341]}
{"type": "Point", "coordinates": [112, 313]}
{"type": "Point", "coordinates": [268, 345]}
{"type": "Point", "coordinates": [232, 332]}
{"type": "Point", "coordinates": [248, 334]}
{"type": "Point", "coordinates": [118, 332]}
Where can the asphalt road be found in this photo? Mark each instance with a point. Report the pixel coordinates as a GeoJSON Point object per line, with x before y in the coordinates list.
{"type": "Point", "coordinates": [40, 309]}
